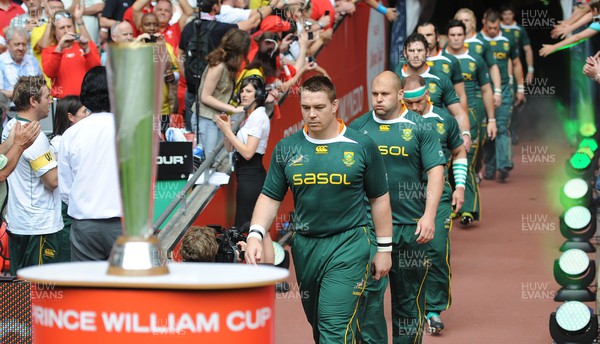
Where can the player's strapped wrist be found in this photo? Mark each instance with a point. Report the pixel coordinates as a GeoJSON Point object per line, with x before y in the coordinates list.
{"type": "Point", "coordinates": [381, 9]}
{"type": "Point", "coordinates": [257, 231]}
{"type": "Point", "coordinates": [466, 133]}
{"type": "Point", "coordinates": [497, 91]}
{"type": "Point", "coordinates": [530, 69]}
{"type": "Point", "coordinates": [491, 120]}
{"type": "Point", "coordinates": [520, 88]}
{"type": "Point", "coordinates": [459, 167]}
{"type": "Point", "coordinates": [384, 244]}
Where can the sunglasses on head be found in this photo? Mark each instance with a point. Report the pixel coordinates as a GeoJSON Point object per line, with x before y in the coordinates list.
{"type": "Point", "coordinates": [61, 14]}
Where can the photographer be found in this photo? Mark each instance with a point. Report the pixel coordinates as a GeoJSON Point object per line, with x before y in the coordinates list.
{"type": "Point", "coordinates": [66, 62]}
{"type": "Point", "coordinates": [249, 144]}
{"type": "Point", "coordinates": [200, 244]}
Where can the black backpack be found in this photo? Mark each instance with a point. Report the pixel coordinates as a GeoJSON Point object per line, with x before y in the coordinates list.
{"type": "Point", "coordinates": [199, 46]}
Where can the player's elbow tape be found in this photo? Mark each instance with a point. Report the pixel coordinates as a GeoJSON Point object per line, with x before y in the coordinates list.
{"type": "Point", "coordinates": [459, 167]}
{"type": "Point", "coordinates": [257, 231]}
{"type": "Point", "coordinates": [384, 244]}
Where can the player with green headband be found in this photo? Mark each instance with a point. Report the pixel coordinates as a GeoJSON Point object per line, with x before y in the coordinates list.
{"type": "Point", "coordinates": [437, 285]}
{"type": "Point", "coordinates": [410, 149]}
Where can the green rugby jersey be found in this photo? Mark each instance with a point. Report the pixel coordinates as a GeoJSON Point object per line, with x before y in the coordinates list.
{"type": "Point", "coordinates": [447, 129]}
{"type": "Point", "coordinates": [446, 64]}
{"type": "Point", "coordinates": [328, 179]}
{"type": "Point", "coordinates": [481, 47]}
{"type": "Point", "coordinates": [450, 139]}
{"type": "Point", "coordinates": [441, 90]}
{"type": "Point", "coordinates": [409, 146]}
{"type": "Point", "coordinates": [504, 50]}
{"type": "Point", "coordinates": [517, 34]}
{"type": "Point", "coordinates": [475, 74]}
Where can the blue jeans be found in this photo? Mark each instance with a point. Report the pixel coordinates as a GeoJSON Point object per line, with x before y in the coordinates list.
{"type": "Point", "coordinates": [209, 135]}
{"type": "Point", "coordinates": [189, 111]}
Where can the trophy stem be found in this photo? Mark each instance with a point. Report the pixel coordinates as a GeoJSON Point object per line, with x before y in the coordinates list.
{"type": "Point", "coordinates": [137, 256]}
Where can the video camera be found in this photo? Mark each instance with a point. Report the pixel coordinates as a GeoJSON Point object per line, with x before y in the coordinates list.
{"type": "Point", "coordinates": [227, 239]}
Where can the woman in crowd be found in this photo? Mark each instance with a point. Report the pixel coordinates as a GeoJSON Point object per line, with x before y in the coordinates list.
{"type": "Point", "coordinates": [249, 145]}
{"type": "Point", "coordinates": [216, 87]}
{"type": "Point", "coordinates": [69, 111]}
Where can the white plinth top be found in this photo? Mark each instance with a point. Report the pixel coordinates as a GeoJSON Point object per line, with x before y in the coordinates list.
{"type": "Point", "coordinates": [181, 276]}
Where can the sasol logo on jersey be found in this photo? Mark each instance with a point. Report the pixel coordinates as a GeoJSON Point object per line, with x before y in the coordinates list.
{"type": "Point", "coordinates": [392, 150]}
{"type": "Point", "coordinates": [320, 178]}
{"type": "Point", "coordinates": [169, 160]}
{"type": "Point", "coordinates": [321, 150]}
{"type": "Point", "coordinates": [500, 55]}
{"type": "Point", "coordinates": [384, 127]}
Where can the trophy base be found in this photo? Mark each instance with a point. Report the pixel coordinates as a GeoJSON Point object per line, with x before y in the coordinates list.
{"type": "Point", "coordinates": [137, 256]}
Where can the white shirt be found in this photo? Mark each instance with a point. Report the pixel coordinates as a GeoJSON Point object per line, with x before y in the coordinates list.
{"type": "Point", "coordinates": [88, 178]}
{"type": "Point", "coordinates": [32, 209]}
{"type": "Point", "coordinates": [257, 125]}
{"type": "Point", "coordinates": [232, 15]}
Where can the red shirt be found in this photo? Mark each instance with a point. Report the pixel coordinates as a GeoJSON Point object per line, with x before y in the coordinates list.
{"type": "Point", "coordinates": [318, 10]}
{"type": "Point", "coordinates": [67, 68]}
{"type": "Point", "coordinates": [172, 35]}
{"type": "Point", "coordinates": [128, 16]}
{"type": "Point", "coordinates": [12, 11]}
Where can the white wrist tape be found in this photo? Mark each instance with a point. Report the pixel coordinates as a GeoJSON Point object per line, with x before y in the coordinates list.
{"type": "Point", "coordinates": [384, 244]}
{"type": "Point", "coordinates": [460, 167]}
{"type": "Point", "coordinates": [257, 231]}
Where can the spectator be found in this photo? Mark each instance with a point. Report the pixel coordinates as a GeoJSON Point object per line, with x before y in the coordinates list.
{"type": "Point", "coordinates": [69, 111]}
{"type": "Point", "coordinates": [67, 61]}
{"type": "Point", "coordinates": [249, 145]}
{"type": "Point", "coordinates": [235, 11]}
{"type": "Point", "coordinates": [121, 32]}
{"type": "Point", "coordinates": [577, 38]}
{"type": "Point", "coordinates": [592, 67]}
{"type": "Point", "coordinates": [8, 10]}
{"type": "Point", "coordinates": [209, 9]}
{"type": "Point", "coordinates": [40, 36]}
{"type": "Point", "coordinates": [34, 17]}
{"type": "Point", "coordinates": [113, 11]}
{"type": "Point", "coordinates": [15, 63]}
{"type": "Point", "coordinates": [164, 12]}
{"type": "Point", "coordinates": [150, 25]}
{"type": "Point", "coordinates": [35, 226]}
{"type": "Point", "coordinates": [91, 10]}
{"type": "Point", "coordinates": [199, 244]}
{"type": "Point", "coordinates": [216, 86]}
{"type": "Point", "coordinates": [88, 176]}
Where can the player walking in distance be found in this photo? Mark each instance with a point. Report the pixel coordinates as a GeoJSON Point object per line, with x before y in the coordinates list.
{"type": "Point", "coordinates": [480, 100]}
{"type": "Point", "coordinates": [330, 169]}
{"type": "Point", "coordinates": [498, 154]}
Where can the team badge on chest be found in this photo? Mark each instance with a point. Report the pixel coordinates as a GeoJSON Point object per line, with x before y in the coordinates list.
{"type": "Point", "coordinates": [348, 159]}
{"type": "Point", "coordinates": [407, 134]}
{"type": "Point", "coordinates": [440, 128]}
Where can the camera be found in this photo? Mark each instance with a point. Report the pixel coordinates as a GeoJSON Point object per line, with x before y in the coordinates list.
{"type": "Point", "coordinates": [227, 239]}
{"type": "Point", "coordinates": [152, 39]}
{"type": "Point", "coordinates": [76, 36]}
{"type": "Point", "coordinates": [294, 38]}
{"type": "Point", "coordinates": [596, 19]}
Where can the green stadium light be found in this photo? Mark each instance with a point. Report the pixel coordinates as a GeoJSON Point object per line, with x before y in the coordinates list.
{"type": "Point", "coordinates": [574, 271]}
{"type": "Point", "coordinates": [573, 323]}
{"type": "Point", "coordinates": [578, 226]}
{"type": "Point", "coordinates": [576, 191]}
{"type": "Point", "coordinates": [587, 129]}
{"type": "Point", "coordinates": [590, 143]}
